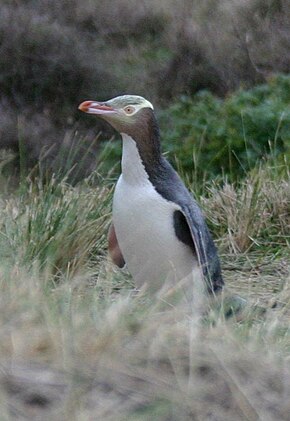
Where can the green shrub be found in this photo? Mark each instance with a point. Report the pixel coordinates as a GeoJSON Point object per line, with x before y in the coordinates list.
{"type": "Point", "coordinates": [211, 136]}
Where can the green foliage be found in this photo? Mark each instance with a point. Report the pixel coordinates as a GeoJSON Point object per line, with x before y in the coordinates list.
{"type": "Point", "coordinates": [209, 137]}
{"type": "Point", "coordinates": [212, 136]}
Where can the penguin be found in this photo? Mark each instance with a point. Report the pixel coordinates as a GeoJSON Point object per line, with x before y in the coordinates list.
{"type": "Point", "coordinates": [158, 230]}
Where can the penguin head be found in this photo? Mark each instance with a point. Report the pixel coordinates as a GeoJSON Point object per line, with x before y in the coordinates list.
{"type": "Point", "coordinates": [125, 113]}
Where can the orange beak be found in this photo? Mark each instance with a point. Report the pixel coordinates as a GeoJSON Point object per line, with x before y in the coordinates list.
{"type": "Point", "coordinates": [93, 107]}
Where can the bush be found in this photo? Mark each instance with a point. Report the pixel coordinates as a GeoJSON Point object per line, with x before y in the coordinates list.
{"type": "Point", "coordinates": [55, 54]}
{"type": "Point", "coordinates": [213, 136]}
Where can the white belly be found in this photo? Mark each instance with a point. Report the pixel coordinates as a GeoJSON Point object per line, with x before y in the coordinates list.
{"type": "Point", "coordinates": [144, 227]}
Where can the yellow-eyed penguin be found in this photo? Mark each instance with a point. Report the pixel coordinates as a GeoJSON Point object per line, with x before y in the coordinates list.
{"type": "Point", "coordinates": [158, 229]}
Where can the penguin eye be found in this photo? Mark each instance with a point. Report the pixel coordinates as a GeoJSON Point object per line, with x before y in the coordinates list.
{"type": "Point", "coordinates": [129, 109]}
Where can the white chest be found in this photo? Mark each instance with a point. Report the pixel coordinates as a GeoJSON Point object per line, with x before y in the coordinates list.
{"type": "Point", "coordinates": [144, 227]}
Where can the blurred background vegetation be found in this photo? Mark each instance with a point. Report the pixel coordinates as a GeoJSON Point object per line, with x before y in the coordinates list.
{"type": "Point", "coordinates": [216, 71]}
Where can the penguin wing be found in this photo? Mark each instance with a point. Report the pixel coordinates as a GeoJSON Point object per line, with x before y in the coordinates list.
{"type": "Point", "coordinates": [189, 224]}
{"type": "Point", "coordinates": [114, 249]}
{"type": "Point", "coordinates": [191, 228]}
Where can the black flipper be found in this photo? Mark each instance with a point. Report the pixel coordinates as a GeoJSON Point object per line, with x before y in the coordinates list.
{"type": "Point", "coordinates": [191, 229]}
{"type": "Point", "coordinates": [204, 248]}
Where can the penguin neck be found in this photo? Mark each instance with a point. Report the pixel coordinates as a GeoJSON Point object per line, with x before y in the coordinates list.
{"type": "Point", "coordinates": [141, 159]}
{"type": "Point", "coordinates": [134, 170]}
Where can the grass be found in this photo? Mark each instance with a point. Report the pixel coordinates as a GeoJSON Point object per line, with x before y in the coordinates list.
{"type": "Point", "coordinates": [79, 342]}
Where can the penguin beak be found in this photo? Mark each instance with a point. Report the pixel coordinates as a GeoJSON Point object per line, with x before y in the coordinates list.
{"type": "Point", "coordinates": [93, 107]}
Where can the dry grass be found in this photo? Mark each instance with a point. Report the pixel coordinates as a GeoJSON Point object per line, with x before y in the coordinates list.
{"type": "Point", "coordinates": [78, 342]}
{"type": "Point", "coordinates": [254, 215]}
{"type": "Point", "coordinates": [72, 355]}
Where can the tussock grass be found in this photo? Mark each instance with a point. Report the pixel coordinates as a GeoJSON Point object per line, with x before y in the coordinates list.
{"type": "Point", "coordinates": [78, 342]}
{"type": "Point", "coordinates": [251, 222]}
{"type": "Point", "coordinates": [132, 358]}
{"type": "Point", "coordinates": [254, 214]}
{"type": "Point", "coordinates": [51, 223]}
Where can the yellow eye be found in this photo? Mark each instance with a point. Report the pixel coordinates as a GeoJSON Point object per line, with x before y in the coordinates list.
{"type": "Point", "coordinates": [129, 109]}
